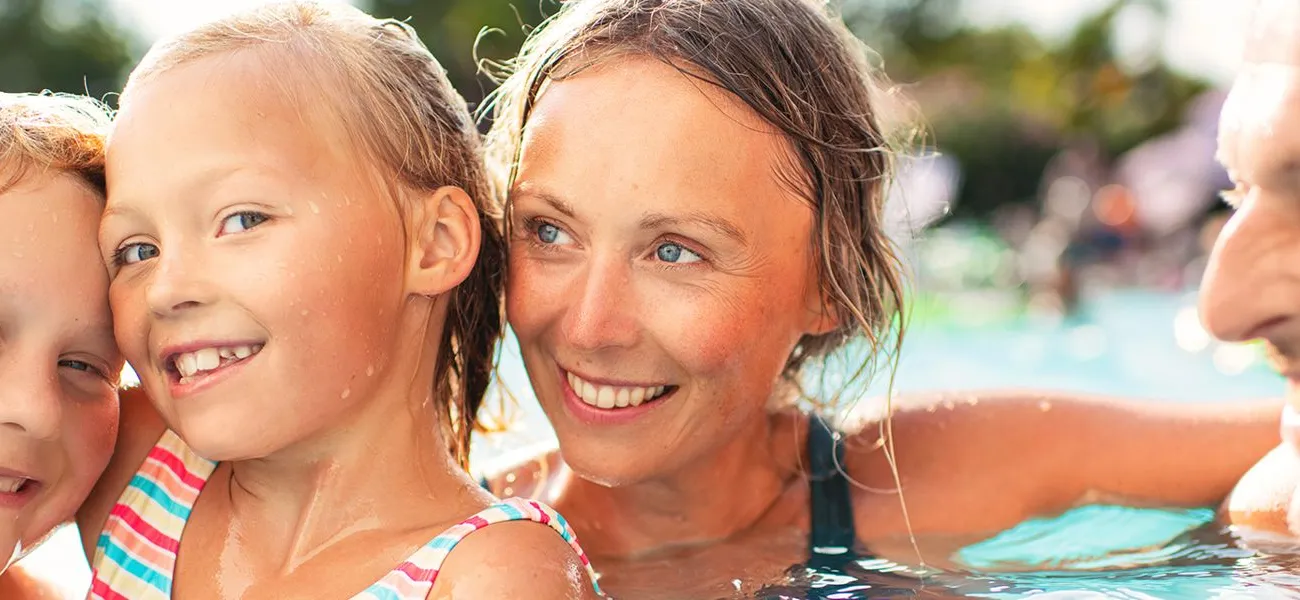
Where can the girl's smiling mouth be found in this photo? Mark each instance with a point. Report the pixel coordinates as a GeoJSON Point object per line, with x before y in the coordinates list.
{"type": "Point", "coordinates": [194, 366]}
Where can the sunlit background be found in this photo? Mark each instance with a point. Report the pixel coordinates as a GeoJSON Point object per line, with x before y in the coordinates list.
{"type": "Point", "coordinates": [1056, 218]}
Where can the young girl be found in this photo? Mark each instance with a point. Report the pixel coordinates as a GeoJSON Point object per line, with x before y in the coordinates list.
{"type": "Point", "coordinates": [58, 362]}
{"type": "Point", "coordinates": [696, 193]}
{"type": "Point", "coordinates": [300, 280]}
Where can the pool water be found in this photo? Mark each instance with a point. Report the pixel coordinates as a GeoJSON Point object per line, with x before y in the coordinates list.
{"type": "Point", "coordinates": [1134, 344]}
{"type": "Point", "coordinates": [1131, 344]}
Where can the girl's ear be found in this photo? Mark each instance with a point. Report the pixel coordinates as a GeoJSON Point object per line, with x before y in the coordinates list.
{"type": "Point", "coordinates": [443, 242]}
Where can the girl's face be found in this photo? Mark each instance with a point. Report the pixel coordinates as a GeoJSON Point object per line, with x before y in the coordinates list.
{"type": "Point", "coordinates": [257, 272]}
{"type": "Point", "coordinates": [660, 270]}
{"type": "Point", "coordinates": [58, 363]}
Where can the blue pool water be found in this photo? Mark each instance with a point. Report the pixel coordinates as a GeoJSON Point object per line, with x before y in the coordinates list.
{"type": "Point", "coordinates": [1135, 344]}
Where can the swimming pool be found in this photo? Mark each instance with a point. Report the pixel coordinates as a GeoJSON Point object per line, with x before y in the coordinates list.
{"type": "Point", "coordinates": [1138, 344]}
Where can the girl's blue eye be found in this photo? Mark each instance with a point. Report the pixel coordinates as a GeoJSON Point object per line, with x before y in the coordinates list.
{"type": "Point", "coordinates": [240, 222]}
{"type": "Point", "coordinates": [134, 253]}
{"type": "Point", "coordinates": [675, 253]}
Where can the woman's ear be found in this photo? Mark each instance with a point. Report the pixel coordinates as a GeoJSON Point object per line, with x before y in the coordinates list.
{"type": "Point", "coordinates": [444, 241]}
{"type": "Point", "coordinates": [819, 312]}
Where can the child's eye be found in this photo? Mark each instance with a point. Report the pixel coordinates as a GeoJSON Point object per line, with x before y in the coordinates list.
{"type": "Point", "coordinates": [550, 234]}
{"type": "Point", "coordinates": [240, 222]}
{"type": "Point", "coordinates": [670, 252]}
{"type": "Point", "coordinates": [83, 366]}
{"type": "Point", "coordinates": [134, 253]}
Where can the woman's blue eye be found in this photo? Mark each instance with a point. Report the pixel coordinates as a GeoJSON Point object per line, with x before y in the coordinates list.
{"type": "Point", "coordinates": [548, 233]}
{"type": "Point", "coordinates": [551, 234]}
{"type": "Point", "coordinates": [240, 222]}
{"type": "Point", "coordinates": [675, 253]}
{"type": "Point", "coordinates": [134, 253]}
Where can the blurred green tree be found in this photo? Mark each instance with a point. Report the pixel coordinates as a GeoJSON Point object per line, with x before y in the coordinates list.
{"type": "Point", "coordinates": [64, 46]}
{"type": "Point", "coordinates": [1003, 101]}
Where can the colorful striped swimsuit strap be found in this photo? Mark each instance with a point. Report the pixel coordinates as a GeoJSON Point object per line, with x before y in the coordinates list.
{"type": "Point", "coordinates": [415, 577]}
{"type": "Point", "coordinates": [136, 553]}
{"type": "Point", "coordinates": [135, 558]}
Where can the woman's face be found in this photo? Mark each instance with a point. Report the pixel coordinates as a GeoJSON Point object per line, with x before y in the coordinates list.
{"type": "Point", "coordinates": [661, 270]}
{"type": "Point", "coordinates": [58, 363]}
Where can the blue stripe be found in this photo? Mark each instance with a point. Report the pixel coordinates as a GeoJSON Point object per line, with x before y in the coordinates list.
{"type": "Point", "coordinates": [382, 592]}
{"type": "Point", "coordinates": [512, 512]}
{"type": "Point", "coordinates": [565, 532]}
{"type": "Point", "coordinates": [443, 542]}
{"type": "Point", "coordinates": [131, 565]}
{"type": "Point", "coordinates": [160, 497]}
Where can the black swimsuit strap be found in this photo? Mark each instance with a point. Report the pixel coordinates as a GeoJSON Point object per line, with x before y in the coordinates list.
{"type": "Point", "coordinates": [831, 496]}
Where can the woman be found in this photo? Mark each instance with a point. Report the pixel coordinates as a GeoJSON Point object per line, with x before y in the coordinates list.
{"type": "Point", "coordinates": [695, 193]}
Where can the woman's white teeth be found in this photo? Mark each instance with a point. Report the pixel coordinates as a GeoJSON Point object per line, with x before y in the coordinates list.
{"type": "Point", "coordinates": [608, 396]}
{"type": "Point", "coordinates": [10, 485]}
{"type": "Point", "coordinates": [208, 359]}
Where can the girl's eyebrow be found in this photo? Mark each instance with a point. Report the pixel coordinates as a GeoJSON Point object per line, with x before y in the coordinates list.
{"type": "Point", "coordinates": [718, 224]}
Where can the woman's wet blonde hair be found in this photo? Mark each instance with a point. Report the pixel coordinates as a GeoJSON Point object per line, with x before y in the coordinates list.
{"type": "Point", "coordinates": [394, 97]}
{"type": "Point", "coordinates": [59, 132]}
{"type": "Point", "coordinates": [801, 70]}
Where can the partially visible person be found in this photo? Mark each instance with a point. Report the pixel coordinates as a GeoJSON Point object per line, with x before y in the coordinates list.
{"type": "Point", "coordinates": [301, 282]}
{"type": "Point", "coordinates": [1252, 282]}
{"type": "Point", "coordinates": [694, 199]}
{"type": "Point", "coordinates": [59, 365]}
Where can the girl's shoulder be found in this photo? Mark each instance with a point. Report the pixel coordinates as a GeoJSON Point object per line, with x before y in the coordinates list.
{"type": "Point", "coordinates": [527, 549]}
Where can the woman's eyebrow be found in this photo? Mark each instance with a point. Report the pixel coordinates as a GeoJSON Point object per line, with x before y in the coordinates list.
{"type": "Point", "coordinates": [718, 224]}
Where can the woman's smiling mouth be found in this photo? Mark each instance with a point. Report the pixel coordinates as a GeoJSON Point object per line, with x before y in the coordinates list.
{"type": "Point", "coordinates": [608, 396]}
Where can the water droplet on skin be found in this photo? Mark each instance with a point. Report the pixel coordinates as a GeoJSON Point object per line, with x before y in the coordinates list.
{"type": "Point", "coordinates": [18, 255]}
{"type": "Point", "coordinates": [314, 209]}
{"type": "Point", "coordinates": [304, 313]}
{"type": "Point", "coordinates": [55, 216]}
{"type": "Point", "coordinates": [370, 371]}
{"type": "Point", "coordinates": [510, 477]}
{"type": "Point", "coordinates": [1044, 406]}
{"type": "Point", "coordinates": [347, 392]}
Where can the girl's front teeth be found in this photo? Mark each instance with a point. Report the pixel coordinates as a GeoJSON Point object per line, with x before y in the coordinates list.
{"type": "Point", "coordinates": [209, 359]}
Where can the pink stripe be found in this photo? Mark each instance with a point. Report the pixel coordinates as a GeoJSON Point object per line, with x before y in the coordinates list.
{"type": "Point", "coordinates": [543, 518]}
{"type": "Point", "coordinates": [145, 529]}
{"type": "Point", "coordinates": [476, 522]}
{"type": "Point", "coordinates": [99, 589]}
{"type": "Point", "coordinates": [177, 466]}
{"type": "Point", "coordinates": [415, 573]}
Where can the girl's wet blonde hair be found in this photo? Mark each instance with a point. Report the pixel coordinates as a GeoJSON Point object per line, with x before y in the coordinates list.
{"type": "Point", "coordinates": [394, 98]}
{"type": "Point", "coordinates": [800, 69]}
{"type": "Point", "coordinates": [61, 132]}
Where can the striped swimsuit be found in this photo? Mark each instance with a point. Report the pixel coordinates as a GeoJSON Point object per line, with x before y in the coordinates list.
{"type": "Point", "coordinates": [136, 553]}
